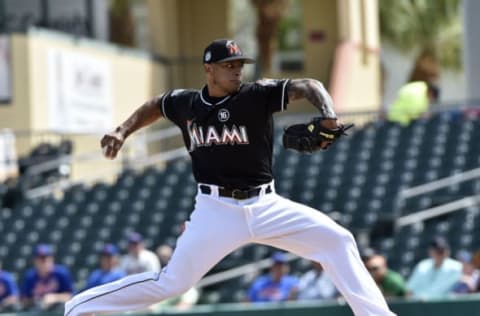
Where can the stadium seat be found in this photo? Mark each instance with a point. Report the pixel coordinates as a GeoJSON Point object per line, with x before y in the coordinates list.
{"type": "Point", "coordinates": [357, 181]}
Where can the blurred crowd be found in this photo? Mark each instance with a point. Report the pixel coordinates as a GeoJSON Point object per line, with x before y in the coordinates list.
{"type": "Point", "coordinates": [47, 285]}
{"type": "Point", "coordinates": [436, 277]}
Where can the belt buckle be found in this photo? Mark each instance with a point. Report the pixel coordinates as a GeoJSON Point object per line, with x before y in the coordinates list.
{"type": "Point", "coordinates": [239, 194]}
{"type": "Point", "coordinates": [205, 189]}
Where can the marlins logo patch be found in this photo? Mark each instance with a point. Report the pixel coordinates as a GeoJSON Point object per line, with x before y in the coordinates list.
{"type": "Point", "coordinates": [233, 48]}
{"type": "Point", "coordinates": [223, 115]}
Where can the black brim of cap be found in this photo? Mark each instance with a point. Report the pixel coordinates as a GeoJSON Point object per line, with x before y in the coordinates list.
{"type": "Point", "coordinates": [247, 60]}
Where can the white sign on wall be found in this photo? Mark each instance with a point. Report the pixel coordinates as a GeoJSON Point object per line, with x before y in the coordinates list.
{"type": "Point", "coordinates": [5, 69]}
{"type": "Point", "coordinates": [80, 97]}
{"type": "Point", "coordinates": [8, 155]}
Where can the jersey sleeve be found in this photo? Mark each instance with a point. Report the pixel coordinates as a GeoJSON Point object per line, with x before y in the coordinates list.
{"type": "Point", "coordinates": [274, 92]}
{"type": "Point", "coordinates": [165, 101]}
{"type": "Point", "coordinates": [28, 283]}
{"type": "Point", "coordinates": [64, 280]}
{"type": "Point", "coordinates": [173, 103]}
{"type": "Point", "coordinates": [92, 280]}
{"type": "Point", "coordinates": [12, 288]}
{"type": "Point", "coordinates": [253, 292]}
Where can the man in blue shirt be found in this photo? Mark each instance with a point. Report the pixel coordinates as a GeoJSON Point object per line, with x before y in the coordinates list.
{"type": "Point", "coordinates": [47, 285]}
{"type": "Point", "coordinates": [434, 277]}
{"type": "Point", "coordinates": [108, 271]}
{"type": "Point", "coordinates": [277, 286]}
{"type": "Point", "coordinates": [8, 291]}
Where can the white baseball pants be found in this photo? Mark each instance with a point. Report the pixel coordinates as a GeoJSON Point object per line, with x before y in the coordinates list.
{"type": "Point", "coordinates": [219, 225]}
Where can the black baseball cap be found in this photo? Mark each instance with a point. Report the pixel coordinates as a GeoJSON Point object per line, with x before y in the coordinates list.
{"type": "Point", "coordinates": [222, 50]}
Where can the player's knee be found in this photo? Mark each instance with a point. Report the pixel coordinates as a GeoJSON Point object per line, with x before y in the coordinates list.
{"type": "Point", "coordinates": [173, 284]}
{"type": "Point", "coordinates": [71, 308]}
{"type": "Point", "coordinates": [67, 307]}
{"type": "Point", "coordinates": [178, 289]}
{"type": "Point", "coordinates": [344, 237]}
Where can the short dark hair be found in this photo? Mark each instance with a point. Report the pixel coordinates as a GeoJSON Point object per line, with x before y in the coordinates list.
{"type": "Point", "coordinates": [367, 253]}
{"type": "Point", "coordinates": [439, 243]}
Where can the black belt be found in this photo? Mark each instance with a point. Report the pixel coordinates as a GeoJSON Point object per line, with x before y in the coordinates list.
{"type": "Point", "coordinates": [235, 193]}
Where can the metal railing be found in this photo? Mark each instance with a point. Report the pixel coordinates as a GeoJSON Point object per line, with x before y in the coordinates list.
{"type": "Point", "coordinates": [441, 183]}
{"type": "Point", "coordinates": [241, 270]}
{"type": "Point", "coordinates": [96, 156]}
{"type": "Point", "coordinates": [436, 211]}
{"type": "Point", "coordinates": [432, 212]}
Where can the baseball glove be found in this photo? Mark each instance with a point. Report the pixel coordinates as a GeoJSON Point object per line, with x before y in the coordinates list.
{"type": "Point", "coordinates": [310, 137]}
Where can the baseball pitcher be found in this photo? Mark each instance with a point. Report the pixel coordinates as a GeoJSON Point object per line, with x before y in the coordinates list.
{"type": "Point", "coordinates": [227, 127]}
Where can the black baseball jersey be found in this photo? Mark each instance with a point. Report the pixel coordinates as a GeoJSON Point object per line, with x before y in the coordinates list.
{"type": "Point", "coordinates": [230, 139]}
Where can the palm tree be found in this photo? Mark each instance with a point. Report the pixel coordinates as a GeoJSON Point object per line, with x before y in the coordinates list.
{"type": "Point", "coordinates": [269, 13]}
{"type": "Point", "coordinates": [431, 28]}
{"type": "Point", "coordinates": [121, 23]}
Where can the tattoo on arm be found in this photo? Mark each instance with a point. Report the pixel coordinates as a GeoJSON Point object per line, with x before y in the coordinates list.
{"type": "Point", "coordinates": [315, 93]}
{"type": "Point", "coordinates": [146, 114]}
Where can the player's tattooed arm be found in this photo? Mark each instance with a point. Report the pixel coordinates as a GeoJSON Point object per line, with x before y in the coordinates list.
{"type": "Point", "coordinates": [146, 114]}
{"type": "Point", "coordinates": [143, 116]}
{"type": "Point", "coordinates": [314, 91]}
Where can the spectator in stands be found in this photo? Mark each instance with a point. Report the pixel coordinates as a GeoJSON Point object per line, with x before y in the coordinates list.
{"type": "Point", "coordinates": [8, 291]}
{"type": "Point", "coordinates": [276, 286]}
{"type": "Point", "coordinates": [108, 271]}
{"type": "Point", "coordinates": [367, 253]}
{"type": "Point", "coordinates": [476, 265]}
{"type": "Point", "coordinates": [413, 101]}
{"type": "Point", "coordinates": [164, 252]}
{"type": "Point", "coordinates": [470, 277]}
{"type": "Point", "coordinates": [138, 258]}
{"type": "Point", "coordinates": [434, 277]}
{"type": "Point", "coordinates": [316, 285]}
{"type": "Point", "coordinates": [47, 285]}
{"type": "Point", "coordinates": [390, 282]}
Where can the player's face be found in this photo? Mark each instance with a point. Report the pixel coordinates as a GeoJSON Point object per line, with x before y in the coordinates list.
{"type": "Point", "coordinates": [438, 255]}
{"type": "Point", "coordinates": [377, 267]}
{"type": "Point", "coordinates": [43, 264]}
{"type": "Point", "coordinates": [108, 262]}
{"type": "Point", "coordinates": [134, 248]}
{"type": "Point", "coordinates": [278, 270]}
{"type": "Point", "coordinates": [225, 77]}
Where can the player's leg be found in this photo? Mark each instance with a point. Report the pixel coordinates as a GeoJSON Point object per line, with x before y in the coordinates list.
{"type": "Point", "coordinates": [313, 235]}
{"type": "Point", "coordinates": [214, 230]}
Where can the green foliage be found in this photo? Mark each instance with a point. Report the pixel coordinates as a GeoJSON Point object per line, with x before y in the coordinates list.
{"type": "Point", "coordinates": [290, 28]}
{"type": "Point", "coordinates": [432, 26]}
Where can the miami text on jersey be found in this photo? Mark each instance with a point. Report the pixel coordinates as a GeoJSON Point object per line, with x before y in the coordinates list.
{"type": "Point", "coordinates": [200, 136]}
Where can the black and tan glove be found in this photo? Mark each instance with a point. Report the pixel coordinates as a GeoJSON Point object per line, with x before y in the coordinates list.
{"type": "Point", "coordinates": [310, 137]}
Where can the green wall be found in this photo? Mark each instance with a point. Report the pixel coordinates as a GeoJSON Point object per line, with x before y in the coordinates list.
{"type": "Point", "coordinates": [463, 306]}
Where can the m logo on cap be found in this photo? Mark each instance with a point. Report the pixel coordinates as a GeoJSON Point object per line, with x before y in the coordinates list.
{"type": "Point", "coordinates": [223, 50]}
{"type": "Point", "coordinates": [233, 48]}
